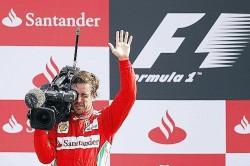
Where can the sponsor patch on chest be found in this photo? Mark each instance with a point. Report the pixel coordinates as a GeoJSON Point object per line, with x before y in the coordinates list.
{"type": "Point", "coordinates": [80, 142]}
{"type": "Point", "coordinates": [63, 127]}
{"type": "Point", "coordinates": [92, 126]}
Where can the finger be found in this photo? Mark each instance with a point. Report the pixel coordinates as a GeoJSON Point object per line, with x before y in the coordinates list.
{"type": "Point", "coordinates": [117, 38]}
{"type": "Point", "coordinates": [126, 38]}
{"type": "Point", "coordinates": [111, 46]}
{"type": "Point", "coordinates": [130, 40]}
{"type": "Point", "coordinates": [121, 36]}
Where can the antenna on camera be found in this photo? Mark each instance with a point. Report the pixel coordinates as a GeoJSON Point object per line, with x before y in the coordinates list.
{"type": "Point", "coordinates": [76, 46]}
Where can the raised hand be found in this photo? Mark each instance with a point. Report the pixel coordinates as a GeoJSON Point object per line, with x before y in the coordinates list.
{"type": "Point", "coordinates": [122, 48]}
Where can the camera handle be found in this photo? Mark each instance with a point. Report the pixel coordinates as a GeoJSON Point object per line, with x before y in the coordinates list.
{"type": "Point", "coordinates": [76, 46]}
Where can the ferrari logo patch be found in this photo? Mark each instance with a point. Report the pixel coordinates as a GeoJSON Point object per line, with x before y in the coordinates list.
{"type": "Point", "coordinates": [63, 127]}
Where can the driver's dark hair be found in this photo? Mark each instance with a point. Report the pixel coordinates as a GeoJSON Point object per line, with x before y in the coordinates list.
{"type": "Point", "coordinates": [87, 78]}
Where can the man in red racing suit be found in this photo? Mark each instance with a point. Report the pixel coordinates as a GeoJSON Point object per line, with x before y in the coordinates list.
{"type": "Point", "coordinates": [86, 136]}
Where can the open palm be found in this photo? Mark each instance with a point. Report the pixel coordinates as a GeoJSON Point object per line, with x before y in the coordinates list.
{"type": "Point", "coordinates": [122, 48]}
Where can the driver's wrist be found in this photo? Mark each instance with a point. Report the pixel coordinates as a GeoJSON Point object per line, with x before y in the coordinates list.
{"type": "Point", "coordinates": [123, 58]}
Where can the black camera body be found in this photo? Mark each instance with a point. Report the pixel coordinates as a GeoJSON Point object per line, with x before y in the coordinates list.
{"type": "Point", "coordinates": [51, 103]}
{"type": "Point", "coordinates": [58, 97]}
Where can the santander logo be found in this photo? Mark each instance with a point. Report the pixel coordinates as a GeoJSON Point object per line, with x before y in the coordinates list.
{"type": "Point", "coordinates": [12, 20]}
{"type": "Point", "coordinates": [31, 19]}
{"type": "Point", "coordinates": [167, 132]}
{"type": "Point", "coordinates": [243, 127]}
{"type": "Point", "coordinates": [48, 75]}
{"type": "Point", "coordinates": [59, 144]}
{"type": "Point", "coordinates": [12, 126]}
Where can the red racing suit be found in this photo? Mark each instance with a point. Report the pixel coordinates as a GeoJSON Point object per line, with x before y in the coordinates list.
{"type": "Point", "coordinates": [81, 142]}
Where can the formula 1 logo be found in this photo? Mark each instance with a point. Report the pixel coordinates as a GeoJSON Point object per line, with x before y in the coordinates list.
{"type": "Point", "coordinates": [224, 42]}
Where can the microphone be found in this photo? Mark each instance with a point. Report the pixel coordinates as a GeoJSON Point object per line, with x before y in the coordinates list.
{"type": "Point", "coordinates": [35, 98]}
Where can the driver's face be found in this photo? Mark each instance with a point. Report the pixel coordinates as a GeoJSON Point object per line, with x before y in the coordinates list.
{"type": "Point", "coordinates": [84, 101]}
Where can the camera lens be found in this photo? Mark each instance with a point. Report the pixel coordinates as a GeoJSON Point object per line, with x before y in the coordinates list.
{"type": "Point", "coordinates": [43, 117]}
